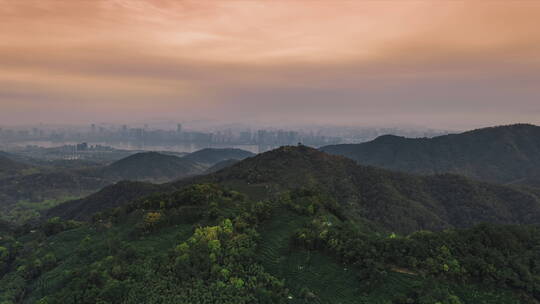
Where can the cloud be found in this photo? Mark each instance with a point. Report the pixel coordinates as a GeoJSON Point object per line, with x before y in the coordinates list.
{"type": "Point", "coordinates": [304, 60]}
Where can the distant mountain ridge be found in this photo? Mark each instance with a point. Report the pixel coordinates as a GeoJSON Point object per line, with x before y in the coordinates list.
{"type": "Point", "coordinates": [399, 201]}
{"type": "Point", "coordinates": [58, 184]}
{"type": "Point", "coordinates": [504, 154]}
{"type": "Point", "coordinates": [291, 224]}
{"type": "Point", "coordinates": [396, 201]}
{"type": "Point", "coordinates": [53, 184]}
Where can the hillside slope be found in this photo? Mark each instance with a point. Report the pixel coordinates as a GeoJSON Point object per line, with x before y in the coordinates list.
{"type": "Point", "coordinates": [109, 197]}
{"type": "Point", "coordinates": [394, 201]}
{"type": "Point", "coordinates": [151, 166]}
{"type": "Point", "coordinates": [221, 165]}
{"type": "Point", "coordinates": [398, 201]}
{"type": "Point", "coordinates": [22, 196]}
{"type": "Point", "coordinates": [212, 156]}
{"type": "Point", "coordinates": [207, 244]}
{"type": "Point", "coordinates": [10, 167]}
{"type": "Point", "coordinates": [505, 154]}
{"type": "Point", "coordinates": [39, 186]}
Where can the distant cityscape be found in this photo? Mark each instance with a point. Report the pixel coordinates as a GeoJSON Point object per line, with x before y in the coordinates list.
{"type": "Point", "coordinates": [102, 137]}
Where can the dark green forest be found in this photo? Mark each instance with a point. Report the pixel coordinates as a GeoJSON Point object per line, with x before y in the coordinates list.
{"type": "Point", "coordinates": [28, 187]}
{"type": "Point", "coordinates": [293, 225]}
{"type": "Point", "coordinates": [505, 154]}
{"type": "Point", "coordinates": [207, 244]}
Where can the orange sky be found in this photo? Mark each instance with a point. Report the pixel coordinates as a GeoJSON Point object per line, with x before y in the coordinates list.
{"type": "Point", "coordinates": [437, 63]}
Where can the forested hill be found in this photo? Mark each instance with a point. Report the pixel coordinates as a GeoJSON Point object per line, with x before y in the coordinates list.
{"type": "Point", "coordinates": [294, 225]}
{"type": "Point", "coordinates": [221, 165]}
{"type": "Point", "coordinates": [396, 201]}
{"type": "Point", "coordinates": [16, 157]}
{"type": "Point", "coordinates": [26, 191]}
{"type": "Point", "coordinates": [212, 156]}
{"type": "Point", "coordinates": [504, 154]}
{"type": "Point", "coordinates": [151, 166]}
{"type": "Point", "coordinates": [109, 197]}
{"type": "Point", "coordinates": [23, 196]}
{"type": "Point", "coordinates": [9, 167]}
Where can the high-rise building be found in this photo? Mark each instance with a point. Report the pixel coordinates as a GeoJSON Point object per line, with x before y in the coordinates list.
{"type": "Point", "coordinates": [179, 128]}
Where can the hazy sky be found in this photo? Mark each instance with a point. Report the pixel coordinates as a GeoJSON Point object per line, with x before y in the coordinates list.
{"type": "Point", "coordinates": [435, 63]}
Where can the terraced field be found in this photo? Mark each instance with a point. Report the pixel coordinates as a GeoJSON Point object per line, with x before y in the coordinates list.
{"type": "Point", "coordinates": [332, 283]}
{"type": "Point", "coordinates": [329, 281]}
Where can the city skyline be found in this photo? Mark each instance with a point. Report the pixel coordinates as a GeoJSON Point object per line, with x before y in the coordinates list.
{"type": "Point", "coordinates": [147, 135]}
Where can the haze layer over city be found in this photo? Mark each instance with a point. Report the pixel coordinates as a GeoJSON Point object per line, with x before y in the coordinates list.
{"type": "Point", "coordinates": [269, 152]}
{"type": "Point", "coordinates": [435, 64]}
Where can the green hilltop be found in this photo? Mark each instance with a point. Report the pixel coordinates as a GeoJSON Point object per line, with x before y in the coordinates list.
{"type": "Point", "coordinates": [212, 156]}
{"type": "Point", "coordinates": [151, 166]}
{"type": "Point", "coordinates": [26, 190]}
{"type": "Point", "coordinates": [504, 154]}
{"type": "Point", "coordinates": [293, 225]}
